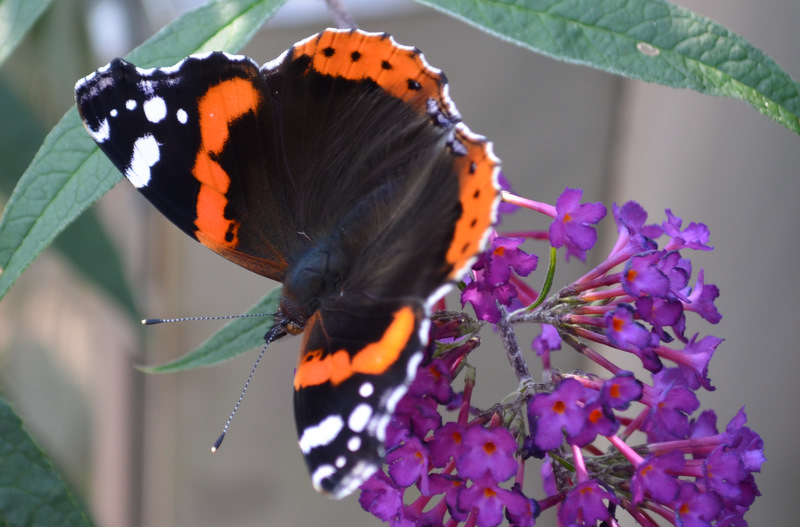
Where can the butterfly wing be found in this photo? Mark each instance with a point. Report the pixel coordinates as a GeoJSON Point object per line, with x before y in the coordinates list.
{"type": "Point", "coordinates": [359, 357]}
{"type": "Point", "coordinates": [175, 134]}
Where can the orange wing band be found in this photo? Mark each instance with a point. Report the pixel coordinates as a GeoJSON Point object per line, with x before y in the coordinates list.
{"type": "Point", "coordinates": [223, 104]}
{"type": "Point", "coordinates": [356, 56]}
{"type": "Point", "coordinates": [317, 368]}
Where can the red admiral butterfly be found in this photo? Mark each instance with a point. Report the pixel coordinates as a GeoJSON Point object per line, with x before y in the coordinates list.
{"type": "Point", "coordinates": [341, 169]}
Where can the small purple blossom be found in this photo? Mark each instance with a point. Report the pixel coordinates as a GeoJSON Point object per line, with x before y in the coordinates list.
{"type": "Point", "coordinates": [382, 498]}
{"type": "Point", "coordinates": [661, 313]}
{"type": "Point", "coordinates": [450, 487]}
{"type": "Point", "coordinates": [493, 273]}
{"type": "Point", "coordinates": [747, 443]}
{"type": "Point", "coordinates": [487, 452]}
{"type": "Point", "coordinates": [550, 413]}
{"type": "Point", "coordinates": [584, 504]}
{"type": "Point", "coordinates": [695, 236]}
{"type": "Point", "coordinates": [655, 476]}
{"type": "Point", "coordinates": [600, 420]}
{"type": "Point", "coordinates": [628, 334]}
{"type": "Point", "coordinates": [448, 442]}
{"type": "Point", "coordinates": [631, 217]}
{"type": "Point", "coordinates": [485, 497]}
{"type": "Point", "coordinates": [643, 277]}
{"type": "Point", "coordinates": [504, 255]}
{"type": "Point", "coordinates": [695, 508]}
{"type": "Point", "coordinates": [701, 300]}
{"type": "Point", "coordinates": [669, 414]}
{"type": "Point", "coordinates": [548, 340]}
{"type": "Point", "coordinates": [409, 464]}
{"type": "Point", "coordinates": [618, 392]}
{"type": "Point", "coordinates": [572, 226]}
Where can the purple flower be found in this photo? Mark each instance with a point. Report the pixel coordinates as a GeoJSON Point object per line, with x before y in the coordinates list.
{"type": "Point", "coordinates": [550, 413]}
{"type": "Point", "coordinates": [631, 217]}
{"type": "Point", "coordinates": [724, 472]}
{"type": "Point", "coordinates": [623, 331]}
{"type": "Point", "coordinates": [629, 335]}
{"type": "Point", "coordinates": [600, 420]}
{"type": "Point", "coordinates": [433, 380]}
{"type": "Point", "coordinates": [695, 236]}
{"type": "Point", "coordinates": [548, 340]}
{"type": "Point", "coordinates": [521, 511]}
{"type": "Point", "coordinates": [487, 498]}
{"type": "Point", "coordinates": [661, 312]}
{"type": "Point", "coordinates": [677, 269]}
{"type": "Point", "coordinates": [572, 225]}
{"type": "Point", "coordinates": [484, 299]}
{"type": "Point", "coordinates": [668, 418]}
{"type": "Point", "coordinates": [447, 442]}
{"type": "Point", "coordinates": [487, 453]}
{"type": "Point", "coordinates": [747, 443]}
{"type": "Point", "coordinates": [408, 464]}
{"type": "Point", "coordinates": [701, 300]}
{"type": "Point", "coordinates": [695, 508]}
{"type": "Point", "coordinates": [380, 497]}
{"type": "Point", "coordinates": [504, 255]}
{"type": "Point", "coordinates": [653, 477]}
{"type": "Point", "coordinates": [642, 277]}
{"type": "Point", "coordinates": [584, 505]}
{"type": "Point", "coordinates": [693, 361]}
{"type": "Point", "coordinates": [418, 415]}
{"type": "Point", "coordinates": [451, 487]}
{"type": "Point", "coordinates": [620, 391]}
{"type": "Point", "coordinates": [492, 277]}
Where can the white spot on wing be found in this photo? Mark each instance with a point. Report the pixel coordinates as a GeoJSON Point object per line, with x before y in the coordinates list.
{"type": "Point", "coordinates": [182, 116]}
{"type": "Point", "coordinates": [155, 109]}
{"type": "Point", "coordinates": [352, 480]}
{"type": "Point", "coordinates": [359, 417]}
{"type": "Point", "coordinates": [340, 461]}
{"type": "Point", "coordinates": [145, 155]}
{"type": "Point", "coordinates": [382, 423]}
{"type": "Point", "coordinates": [102, 133]}
{"type": "Point", "coordinates": [113, 113]}
{"type": "Point", "coordinates": [353, 444]}
{"type": "Point", "coordinates": [321, 434]}
{"type": "Point", "coordinates": [413, 364]}
{"type": "Point", "coordinates": [366, 389]}
{"type": "Point", "coordinates": [130, 104]}
{"type": "Point", "coordinates": [322, 472]}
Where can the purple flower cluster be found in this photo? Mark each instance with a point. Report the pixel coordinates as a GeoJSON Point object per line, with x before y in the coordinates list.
{"type": "Point", "coordinates": [666, 461]}
{"type": "Point", "coordinates": [461, 469]}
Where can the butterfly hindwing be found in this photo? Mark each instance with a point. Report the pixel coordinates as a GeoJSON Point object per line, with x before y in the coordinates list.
{"type": "Point", "coordinates": [357, 358]}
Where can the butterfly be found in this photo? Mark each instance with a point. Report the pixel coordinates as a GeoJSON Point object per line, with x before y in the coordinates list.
{"type": "Point", "coordinates": [340, 169]}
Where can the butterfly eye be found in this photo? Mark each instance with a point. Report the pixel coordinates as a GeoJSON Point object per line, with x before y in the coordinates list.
{"type": "Point", "coordinates": [294, 328]}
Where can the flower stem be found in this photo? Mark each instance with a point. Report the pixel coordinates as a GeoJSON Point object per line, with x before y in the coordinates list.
{"type": "Point", "coordinates": [512, 350]}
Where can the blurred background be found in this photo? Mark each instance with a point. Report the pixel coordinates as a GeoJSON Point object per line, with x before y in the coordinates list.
{"type": "Point", "coordinates": [136, 446]}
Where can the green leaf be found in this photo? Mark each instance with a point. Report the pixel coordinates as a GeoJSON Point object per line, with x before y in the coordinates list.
{"type": "Point", "coordinates": [69, 173]}
{"type": "Point", "coordinates": [650, 40]}
{"type": "Point", "coordinates": [236, 337]}
{"type": "Point", "coordinates": [16, 18]}
{"type": "Point", "coordinates": [84, 243]}
{"type": "Point", "coordinates": [31, 491]}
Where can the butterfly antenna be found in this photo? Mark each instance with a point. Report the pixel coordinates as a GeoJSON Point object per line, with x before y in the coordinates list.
{"type": "Point", "coordinates": [154, 321]}
{"type": "Point", "coordinates": [276, 332]}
